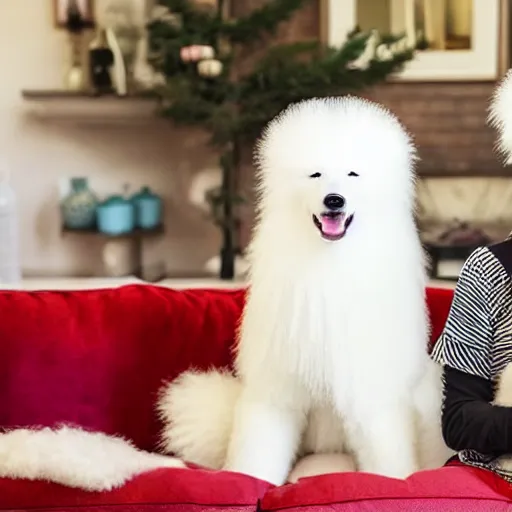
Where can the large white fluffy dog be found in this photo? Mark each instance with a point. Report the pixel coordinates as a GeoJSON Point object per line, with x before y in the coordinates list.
{"type": "Point", "coordinates": [332, 353]}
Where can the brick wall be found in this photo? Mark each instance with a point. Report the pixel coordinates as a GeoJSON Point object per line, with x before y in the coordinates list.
{"type": "Point", "coordinates": [448, 123]}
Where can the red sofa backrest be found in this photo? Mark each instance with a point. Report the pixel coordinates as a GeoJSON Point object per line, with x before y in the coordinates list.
{"type": "Point", "coordinates": [98, 358]}
{"type": "Point", "coordinates": [439, 301]}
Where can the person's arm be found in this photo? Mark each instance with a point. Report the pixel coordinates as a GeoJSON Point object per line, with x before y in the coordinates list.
{"type": "Point", "coordinates": [469, 420]}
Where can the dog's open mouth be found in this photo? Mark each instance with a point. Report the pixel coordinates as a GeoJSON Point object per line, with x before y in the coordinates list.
{"type": "Point", "coordinates": [333, 225]}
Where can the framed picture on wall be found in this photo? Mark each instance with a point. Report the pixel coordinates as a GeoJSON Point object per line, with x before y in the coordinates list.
{"type": "Point", "coordinates": [461, 39]}
{"type": "Point", "coordinates": [62, 9]}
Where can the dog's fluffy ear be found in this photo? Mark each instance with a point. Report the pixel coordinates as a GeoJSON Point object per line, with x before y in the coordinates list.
{"type": "Point", "coordinates": [500, 116]}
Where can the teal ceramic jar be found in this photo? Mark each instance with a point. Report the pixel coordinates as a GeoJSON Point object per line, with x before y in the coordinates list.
{"type": "Point", "coordinates": [116, 216]}
{"type": "Point", "coordinates": [148, 209]}
{"type": "Point", "coordinates": [78, 208]}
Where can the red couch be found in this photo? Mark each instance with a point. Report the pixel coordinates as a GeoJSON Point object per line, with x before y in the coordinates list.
{"type": "Point", "coordinates": [98, 359]}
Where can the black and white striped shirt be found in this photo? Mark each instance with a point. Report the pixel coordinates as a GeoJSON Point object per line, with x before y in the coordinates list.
{"type": "Point", "coordinates": [477, 344]}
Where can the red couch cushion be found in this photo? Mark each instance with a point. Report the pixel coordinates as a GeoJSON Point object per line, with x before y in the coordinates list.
{"type": "Point", "coordinates": [455, 488]}
{"type": "Point", "coordinates": [169, 490]}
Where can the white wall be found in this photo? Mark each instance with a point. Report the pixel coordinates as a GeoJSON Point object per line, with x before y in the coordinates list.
{"type": "Point", "coordinates": [33, 56]}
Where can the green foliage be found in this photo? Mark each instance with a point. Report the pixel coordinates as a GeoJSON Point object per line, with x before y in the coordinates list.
{"type": "Point", "coordinates": [238, 108]}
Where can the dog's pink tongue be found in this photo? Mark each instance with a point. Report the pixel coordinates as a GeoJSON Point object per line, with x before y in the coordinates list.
{"type": "Point", "coordinates": [332, 226]}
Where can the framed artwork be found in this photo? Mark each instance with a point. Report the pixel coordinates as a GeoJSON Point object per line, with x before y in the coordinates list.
{"type": "Point", "coordinates": [62, 7]}
{"type": "Point", "coordinates": [461, 39]}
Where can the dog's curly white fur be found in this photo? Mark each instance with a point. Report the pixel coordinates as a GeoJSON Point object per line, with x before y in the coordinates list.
{"type": "Point", "coordinates": [75, 458]}
{"type": "Point", "coordinates": [332, 351]}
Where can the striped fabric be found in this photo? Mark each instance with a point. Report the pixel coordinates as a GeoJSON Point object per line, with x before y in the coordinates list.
{"type": "Point", "coordinates": [477, 338]}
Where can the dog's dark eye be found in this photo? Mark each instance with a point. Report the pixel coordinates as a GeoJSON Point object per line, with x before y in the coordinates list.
{"type": "Point", "coordinates": [315, 175]}
{"type": "Point", "coordinates": [352, 173]}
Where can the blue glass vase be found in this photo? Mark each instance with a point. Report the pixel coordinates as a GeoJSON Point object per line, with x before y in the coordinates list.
{"type": "Point", "coordinates": [148, 209]}
{"type": "Point", "coordinates": [78, 208]}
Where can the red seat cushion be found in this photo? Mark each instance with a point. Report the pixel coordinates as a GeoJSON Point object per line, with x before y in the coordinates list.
{"type": "Point", "coordinates": [452, 488]}
{"type": "Point", "coordinates": [169, 490]}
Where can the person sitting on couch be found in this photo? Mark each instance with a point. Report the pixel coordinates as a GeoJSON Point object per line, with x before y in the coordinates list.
{"type": "Point", "coordinates": [475, 349]}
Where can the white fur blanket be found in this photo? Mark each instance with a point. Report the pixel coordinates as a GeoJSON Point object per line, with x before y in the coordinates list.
{"type": "Point", "coordinates": [73, 457]}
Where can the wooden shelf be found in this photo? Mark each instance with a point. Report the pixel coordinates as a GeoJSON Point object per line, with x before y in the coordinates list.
{"type": "Point", "coordinates": [83, 107]}
{"type": "Point", "coordinates": [136, 233]}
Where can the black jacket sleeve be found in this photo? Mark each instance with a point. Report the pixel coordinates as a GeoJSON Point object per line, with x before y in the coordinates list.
{"type": "Point", "coordinates": [469, 420]}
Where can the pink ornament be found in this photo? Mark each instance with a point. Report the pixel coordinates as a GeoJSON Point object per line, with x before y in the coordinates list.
{"type": "Point", "coordinates": [196, 52]}
{"type": "Point", "coordinates": [185, 54]}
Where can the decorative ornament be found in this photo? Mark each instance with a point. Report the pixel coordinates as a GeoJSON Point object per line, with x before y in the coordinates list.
{"type": "Point", "coordinates": [210, 68]}
{"type": "Point", "coordinates": [196, 52]}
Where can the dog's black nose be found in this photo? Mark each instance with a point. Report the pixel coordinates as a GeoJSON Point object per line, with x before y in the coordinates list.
{"type": "Point", "coordinates": [334, 202]}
